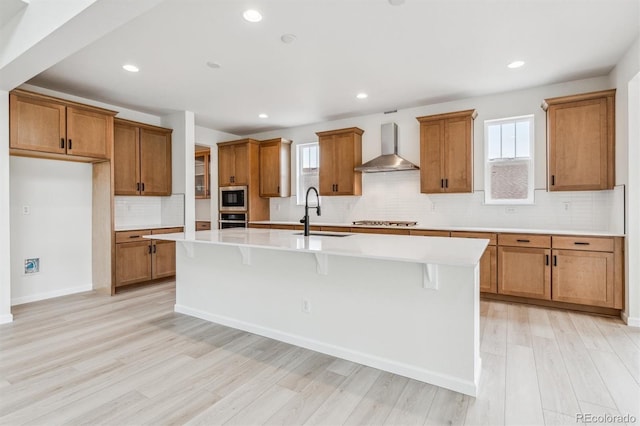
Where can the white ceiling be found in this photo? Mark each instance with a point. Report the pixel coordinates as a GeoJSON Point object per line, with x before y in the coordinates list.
{"type": "Point", "coordinates": [422, 52]}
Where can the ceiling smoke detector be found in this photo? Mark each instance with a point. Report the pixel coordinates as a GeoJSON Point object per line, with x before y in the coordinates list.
{"type": "Point", "coordinates": [288, 38]}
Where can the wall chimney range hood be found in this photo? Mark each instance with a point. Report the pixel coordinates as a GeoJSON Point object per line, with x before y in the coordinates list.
{"type": "Point", "coordinates": [389, 161]}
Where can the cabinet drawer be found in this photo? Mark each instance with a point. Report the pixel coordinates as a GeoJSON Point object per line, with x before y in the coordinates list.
{"type": "Point", "coordinates": [583, 243]}
{"type": "Point", "coordinates": [203, 225]}
{"type": "Point", "coordinates": [167, 230]}
{"type": "Point", "coordinates": [428, 233]}
{"type": "Point", "coordinates": [493, 238]}
{"type": "Point", "coordinates": [381, 231]}
{"type": "Point", "coordinates": [524, 240]}
{"type": "Point", "coordinates": [334, 228]}
{"type": "Point", "coordinates": [130, 236]}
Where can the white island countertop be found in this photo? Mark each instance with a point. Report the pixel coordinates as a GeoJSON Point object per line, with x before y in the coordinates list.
{"type": "Point", "coordinates": [428, 250]}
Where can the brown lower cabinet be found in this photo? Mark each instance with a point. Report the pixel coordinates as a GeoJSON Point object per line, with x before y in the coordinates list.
{"type": "Point", "coordinates": [141, 259]}
{"type": "Point", "coordinates": [580, 270]}
{"type": "Point", "coordinates": [488, 261]}
{"type": "Point", "coordinates": [524, 272]}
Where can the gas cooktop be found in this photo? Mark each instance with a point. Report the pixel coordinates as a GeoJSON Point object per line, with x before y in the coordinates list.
{"type": "Point", "coordinates": [385, 222]}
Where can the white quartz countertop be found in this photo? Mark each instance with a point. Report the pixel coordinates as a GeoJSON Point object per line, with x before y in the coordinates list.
{"type": "Point", "coordinates": [428, 250]}
{"type": "Point", "coordinates": [456, 228]}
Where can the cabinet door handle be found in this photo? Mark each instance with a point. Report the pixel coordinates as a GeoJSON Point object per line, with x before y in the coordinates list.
{"type": "Point", "coordinates": [523, 241]}
{"type": "Point", "coordinates": [62, 143]}
{"type": "Point", "coordinates": [336, 187]}
{"type": "Point", "coordinates": [546, 259]}
{"type": "Point", "coordinates": [149, 248]}
{"type": "Point", "coordinates": [70, 143]}
{"type": "Point", "coordinates": [154, 248]}
{"type": "Point", "coordinates": [138, 186]}
{"type": "Point", "coordinates": [441, 183]}
{"type": "Point", "coordinates": [142, 186]}
{"type": "Point", "coordinates": [581, 243]}
{"type": "Point", "coordinates": [134, 236]}
{"type": "Point", "coordinates": [446, 183]}
{"type": "Point", "coordinates": [553, 180]}
{"type": "Point", "coordinates": [278, 191]}
{"type": "Point", "coordinates": [555, 260]}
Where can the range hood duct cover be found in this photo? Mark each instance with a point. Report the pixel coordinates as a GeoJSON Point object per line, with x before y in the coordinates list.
{"type": "Point", "coordinates": [389, 161]}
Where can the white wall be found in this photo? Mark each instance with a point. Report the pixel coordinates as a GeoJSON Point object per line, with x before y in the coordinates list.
{"type": "Point", "coordinates": [208, 209]}
{"type": "Point", "coordinates": [182, 163]}
{"type": "Point", "coordinates": [397, 193]}
{"type": "Point", "coordinates": [625, 77]}
{"type": "Point", "coordinates": [57, 229]}
{"type": "Point", "coordinates": [5, 233]}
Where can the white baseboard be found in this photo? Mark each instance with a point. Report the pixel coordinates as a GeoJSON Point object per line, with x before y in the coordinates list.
{"type": "Point", "coordinates": [414, 372]}
{"type": "Point", "coordinates": [630, 321]}
{"type": "Point", "coordinates": [50, 294]}
{"type": "Point", "coordinates": [6, 318]}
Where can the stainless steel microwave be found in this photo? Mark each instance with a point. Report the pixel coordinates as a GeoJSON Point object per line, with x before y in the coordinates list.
{"type": "Point", "coordinates": [233, 199]}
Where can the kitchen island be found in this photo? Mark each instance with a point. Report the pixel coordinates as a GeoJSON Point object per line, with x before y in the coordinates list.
{"type": "Point", "coordinates": [401, 304]}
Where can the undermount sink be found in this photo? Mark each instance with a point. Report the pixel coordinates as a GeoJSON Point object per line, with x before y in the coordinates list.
{"type": "Point", "coordinates": [323, 234]}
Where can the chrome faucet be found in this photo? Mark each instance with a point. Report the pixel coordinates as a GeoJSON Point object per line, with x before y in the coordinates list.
{"type": "Point", "coordinates": [305, 219]}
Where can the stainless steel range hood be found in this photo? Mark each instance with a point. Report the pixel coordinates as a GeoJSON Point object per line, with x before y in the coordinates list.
{"type": "Point", "coordinates": [389, 161]}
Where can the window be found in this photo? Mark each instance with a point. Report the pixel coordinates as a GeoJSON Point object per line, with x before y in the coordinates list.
{"type": "Point", "coordinates": [308, 163]}
{"type": "Point", "coordinates": [509, 160]}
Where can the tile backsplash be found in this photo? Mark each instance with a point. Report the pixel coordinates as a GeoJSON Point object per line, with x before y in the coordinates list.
{"type": "Point", "coordinates": [396, 196]}
{"type": "Point", "coordinates": [149, 211]}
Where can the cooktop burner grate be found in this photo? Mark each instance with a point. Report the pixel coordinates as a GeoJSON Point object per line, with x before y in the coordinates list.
{"type": "Point", "coordinates": [385, 222]}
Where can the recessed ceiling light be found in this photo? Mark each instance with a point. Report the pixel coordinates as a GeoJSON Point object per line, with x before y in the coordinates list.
{"type": "Point", "coordinates": [130, 68]}
{"type": "Point", "coordinates": [213, 65]}
{"type": "Point", "coordinates": [396, 2]}
{"type": "Point", "coordinates": [516, 64]}
{"type": "Point", "coordinates": [263, 115]}
{"type": "Point", "coordinates": [252, 15]}
{"type": "Point", "coordinates": [288, 38]}
{"type": "Point", "coordinates": [362, 96]}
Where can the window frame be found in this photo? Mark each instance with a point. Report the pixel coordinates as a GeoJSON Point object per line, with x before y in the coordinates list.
{"type": "Point", "coordinates": [530, 159]}
{"type": "Point", "coordinates": [300, 190]}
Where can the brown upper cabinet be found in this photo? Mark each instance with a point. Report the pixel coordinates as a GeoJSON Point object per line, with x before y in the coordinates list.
{"type": "Point", "coordinates": [581, 141]}
{"type": "Point", "coordinates": [142, 159]}
{"type": "Point", "coordinates": [43, 126]}
{"type": "Point", "coordinates": [233, 162]}
{"type": "Point", "coordinates": [340, 153]}
{"type": "Point", "coordinates": [275, 168]}
{"type": "Point", "coordinates": [202, 172]}
{"type": "Point", "coordinates": [446, 152]}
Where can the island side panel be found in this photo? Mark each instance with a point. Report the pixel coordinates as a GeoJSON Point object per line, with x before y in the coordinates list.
{"type": "Point", "coordinates": [369, 311]}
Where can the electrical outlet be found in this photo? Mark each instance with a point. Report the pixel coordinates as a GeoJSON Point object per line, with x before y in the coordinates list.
{"type": "Point", "coordinates": [567, 206]}
{"type": "Point", "coordinates": [306, 306]}
{"type": "Point", "coordinates": [433, 206]}
{"type": "Point", "coordinates": [510, 210]}
{"type": "Point", "coordinates": [26, 209]}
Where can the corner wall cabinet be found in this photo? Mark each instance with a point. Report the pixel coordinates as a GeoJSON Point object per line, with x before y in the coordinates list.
{"type": "Point", "coordinates": [581, 141]}
{"type": "Point", "coordinates": [202, 173]}
{"type": "Point", "coordinates": [47, 127]}
{"type": "Point", "coordinates": [446, 152]}
{"type": "Point", "coordinates": [275, 168]}
{"type": "Point", "coordinates": [140, 259]}
{"type": "Point", "coordinates": [142, 159]}
{"type": "Point", "coordinates": [340, 153]}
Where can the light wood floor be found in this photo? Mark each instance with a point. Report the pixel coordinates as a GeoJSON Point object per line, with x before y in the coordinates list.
{"type": "Point", "coordinates": [129, 359]}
